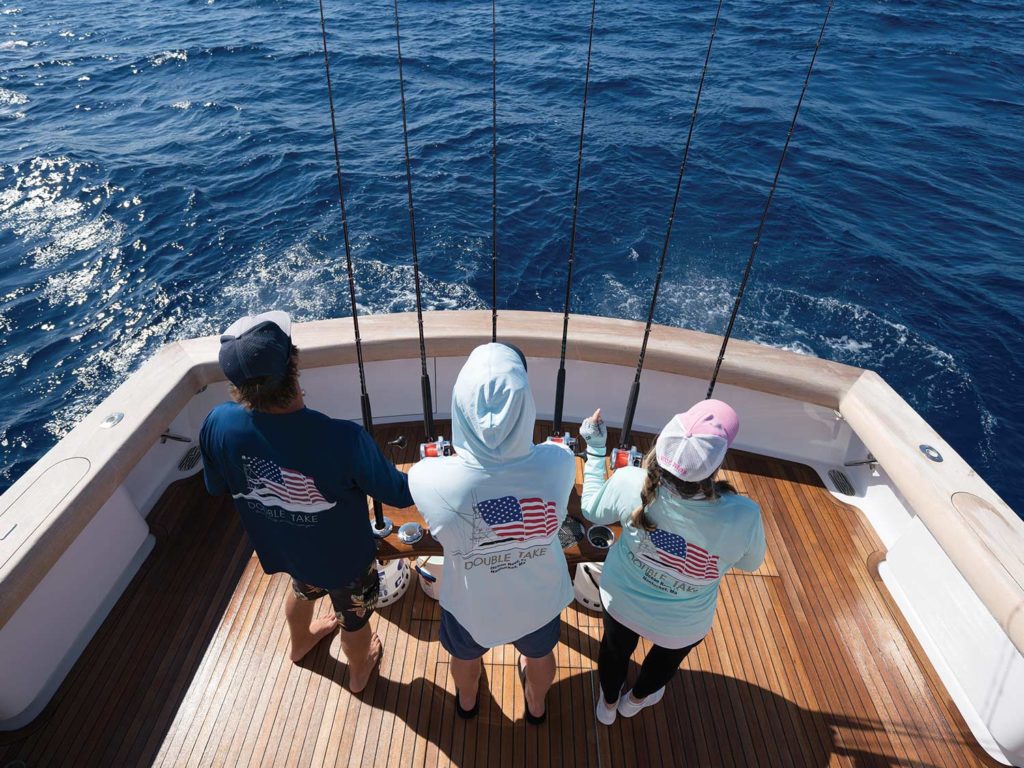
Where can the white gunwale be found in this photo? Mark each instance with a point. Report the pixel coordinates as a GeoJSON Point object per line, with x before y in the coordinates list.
{"type": "Point", "coordinates": [978, 531]}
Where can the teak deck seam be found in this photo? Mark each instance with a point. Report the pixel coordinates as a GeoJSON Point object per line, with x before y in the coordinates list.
{"type": "Point", "coordinates": [809, 663]}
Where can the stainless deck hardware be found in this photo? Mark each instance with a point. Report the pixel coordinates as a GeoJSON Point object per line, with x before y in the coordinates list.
{"type": "Point", "coordinates": [870, 461]}
{"type": "Point", "coordinates": [385, 530]}
{"type": "Point", "coordinates": [410, 533]}
{"type": "Point", "coordinates": [112, 420]}
{"type": "Point", "coordinates": [931, 453]}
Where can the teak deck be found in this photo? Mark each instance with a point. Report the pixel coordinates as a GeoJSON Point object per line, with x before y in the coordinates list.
{"type": "Point", "coordinates": [809, 664]}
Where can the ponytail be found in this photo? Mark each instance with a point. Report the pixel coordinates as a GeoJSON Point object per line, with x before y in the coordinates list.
{"type": "Point", "coordinates": [709, 488]}
{"type": "Point", "coordinates": [638, 518]}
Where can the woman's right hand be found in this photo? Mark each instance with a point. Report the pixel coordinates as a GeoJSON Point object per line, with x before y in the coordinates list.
{"type": "Point", "coordinates": [595, 432]}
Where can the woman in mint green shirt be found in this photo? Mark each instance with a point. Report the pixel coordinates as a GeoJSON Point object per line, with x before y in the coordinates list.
{"type": "Point", "coordinates": [681, 532]}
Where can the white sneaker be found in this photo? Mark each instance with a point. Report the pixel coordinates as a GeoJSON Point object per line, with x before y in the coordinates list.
{"type": "Point", "coordinates": [628, 706]}
{"type": "Point", "coordinates": [605, 712]}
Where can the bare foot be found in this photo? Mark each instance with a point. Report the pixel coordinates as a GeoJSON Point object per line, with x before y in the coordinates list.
{"type": "Point", "coordinates": [318, 630]}
{"type": "Point", "coordinates": [358, 680]}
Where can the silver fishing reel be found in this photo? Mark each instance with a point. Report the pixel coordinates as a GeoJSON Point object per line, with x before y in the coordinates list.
{"type": "Point", "coordinates": [567, 441]}
{"type": "Point", "coordinates": [621, 457]}
{"type": "Point", "coordinates": [439, 447]}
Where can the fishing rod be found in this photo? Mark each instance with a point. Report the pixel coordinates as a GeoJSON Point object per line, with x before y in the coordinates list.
{"type": "Point", "coordinates": [494, 171]}
{"type": "Point", "coordinates": [560, 381]}
{"type": "Point", "coordinates": [767, 205]}
{"type": "Point", "coordinates": [428, 406]}
{"type": "Point", "coordinates": [382, 526]}
{"type": "Point", "coordinates": [627, 453]}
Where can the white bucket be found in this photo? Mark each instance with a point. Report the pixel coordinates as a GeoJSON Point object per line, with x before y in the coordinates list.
{"type": "Point", "coordinates": [429, 570]}
{"type": "Point", "coordinates": [586, 585]}
{"type": "Point", "coordinates": [395, 577]}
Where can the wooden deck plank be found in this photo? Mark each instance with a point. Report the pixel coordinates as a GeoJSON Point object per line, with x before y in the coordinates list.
{"type": "Point", "coordinates": [809, 663]}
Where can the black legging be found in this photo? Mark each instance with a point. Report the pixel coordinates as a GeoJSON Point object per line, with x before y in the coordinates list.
{"type": "Point", "coordinates": [618, 645]}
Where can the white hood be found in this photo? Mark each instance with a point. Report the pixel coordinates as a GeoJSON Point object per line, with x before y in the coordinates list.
{"type": "Point", "coordinates": [492, 407]}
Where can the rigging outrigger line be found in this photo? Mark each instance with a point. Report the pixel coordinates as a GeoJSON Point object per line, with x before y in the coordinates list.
{"type": "Point", "coordinates": [494, 170]}
{"type": "Point", "coordinates": [560, 380]}
{"type": "Point", "coordinates": [767, 204]}
{"type": "Point", "coordinates": [382, 526]}
{"type": "Point", "coordinates": [628, 454]}
{"type": "Point", "coordinates": [428, 406]}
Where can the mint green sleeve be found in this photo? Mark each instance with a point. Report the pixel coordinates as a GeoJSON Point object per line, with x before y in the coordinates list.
{"type": "Point", "coordinates": [756, 548]}
{"type": "Point", "coordinates": [606, 501]}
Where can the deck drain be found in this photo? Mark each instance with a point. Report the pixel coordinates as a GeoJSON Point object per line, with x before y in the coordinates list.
{"type": "Point", "coordinates": [841, 482]}
{"type": "Point", "coordinates": [570, 533]}
{"type": "Point", "coordinates": [189, 459]}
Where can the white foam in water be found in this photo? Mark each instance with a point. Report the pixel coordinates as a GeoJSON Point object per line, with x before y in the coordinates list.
{"type": "Point", "coordinates": [9, 97]}
{"type": "Point", "coordinates": [811, 325]}
{"type": "Point", "coordinates": [8, 45]}
{"type": "Point", "coordinates": [313, 285]}
{"type": "Point", "coordinates": [166, 56]}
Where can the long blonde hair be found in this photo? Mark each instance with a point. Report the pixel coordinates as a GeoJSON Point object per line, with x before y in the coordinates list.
{"type": "Point", "coordinates": [709, 488]}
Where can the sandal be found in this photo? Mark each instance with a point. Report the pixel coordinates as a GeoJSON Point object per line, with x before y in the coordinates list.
{"type": "Point", "coordinates": [531, 718]}
{"type": "Point", "coordinates": [467, 714]}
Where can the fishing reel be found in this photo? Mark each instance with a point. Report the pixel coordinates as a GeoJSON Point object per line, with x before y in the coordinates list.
{"type": "Point", "coordinates": [567, 441]}
{"type": "Point", "coordinates": [439, 447]}
{"type": "Point", "coordinates": [623, 457]}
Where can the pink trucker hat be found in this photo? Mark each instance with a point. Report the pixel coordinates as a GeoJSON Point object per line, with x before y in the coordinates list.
{"type": "Point", "coordinates": [693, 445]}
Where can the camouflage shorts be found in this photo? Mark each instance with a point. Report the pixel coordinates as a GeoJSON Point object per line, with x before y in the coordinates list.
{"type": "Point", "coordinates": [353, 604]}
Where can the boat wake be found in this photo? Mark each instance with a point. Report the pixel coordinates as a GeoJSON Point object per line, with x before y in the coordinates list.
{"type": "Point", "coordinates": [820, 326]}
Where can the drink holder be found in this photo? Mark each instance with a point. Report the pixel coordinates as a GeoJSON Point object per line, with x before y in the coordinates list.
{"type": "Point", "coordinates": [600, 536]}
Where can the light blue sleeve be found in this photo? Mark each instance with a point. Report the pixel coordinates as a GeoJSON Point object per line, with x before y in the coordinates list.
{"type": "Point", "coordinates": [756, 548]}
{"type": "Point", "coordinates": [608, 501]}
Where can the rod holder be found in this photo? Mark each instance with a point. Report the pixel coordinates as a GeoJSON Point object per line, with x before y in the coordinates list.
{"type": "Point", "coordinates": [384, 529]}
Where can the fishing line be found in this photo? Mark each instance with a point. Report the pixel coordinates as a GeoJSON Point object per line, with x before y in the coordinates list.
{"type": "Point", "coordinates": [767, 204]}
{"type": "Point", "coordinates": [428, 407]}
{"type": "Point", "coordinates": [382, 526]}
{"type": "Point", "coordinates": [634, 392]}
{"type": "Point", "coordinates": [494, 171]}
{"type": "Point", "coordinates": [560, 381]}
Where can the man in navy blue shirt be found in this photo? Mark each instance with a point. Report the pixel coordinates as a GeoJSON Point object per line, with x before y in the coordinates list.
{"type": "Point", "coordinates": [300, 481]}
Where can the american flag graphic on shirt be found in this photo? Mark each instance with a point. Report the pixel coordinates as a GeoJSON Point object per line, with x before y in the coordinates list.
{"type": "Point", "coordinates": [279, 486]}
{"type": "Point", "coordinates": [684, 557]}
{"type": "Point", "coordinates": [520, 519]}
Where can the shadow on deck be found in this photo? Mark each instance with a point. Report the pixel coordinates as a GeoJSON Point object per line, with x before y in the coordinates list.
{"type": "Point", "coordinates": [809, 664]}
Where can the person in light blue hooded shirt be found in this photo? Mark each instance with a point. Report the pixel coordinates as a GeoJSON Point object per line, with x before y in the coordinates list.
{"type": "Point", "coordinates": [496, 507]}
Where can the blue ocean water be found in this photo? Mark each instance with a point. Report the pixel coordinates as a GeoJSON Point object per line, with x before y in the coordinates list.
{"type": "Point", "coordinates": [165, 167]}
